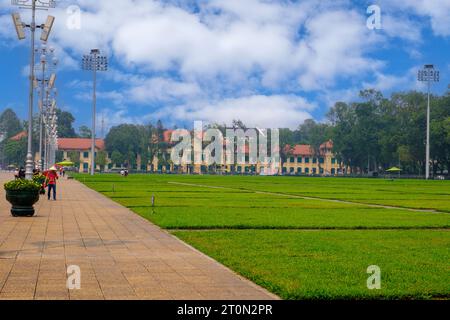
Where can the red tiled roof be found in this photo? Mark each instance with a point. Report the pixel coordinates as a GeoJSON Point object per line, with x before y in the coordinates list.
{"type": "Point", "coordinates": [168, 135]}
{"type": "Point", "coordinates": [306, 150]}
{"type": "Point", "coordinates": [299, 150]}
{"type": "Point", "coordinates": [327, 145]}
{"type": "Point", "coordinates": [19, 136]}
{"type": "Point", "coordinates": [79, 144]}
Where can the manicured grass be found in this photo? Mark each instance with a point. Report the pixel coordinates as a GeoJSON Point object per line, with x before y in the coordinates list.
{"type": "Point", "coordinates": [333, 264]}
{"type": "Point", "coordinates": [180, 206]}
{"type": "Point", "coordinates": [299, 248]}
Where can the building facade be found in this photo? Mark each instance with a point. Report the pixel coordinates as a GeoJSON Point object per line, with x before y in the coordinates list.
{"type": "Point", "coordinates": [79, 151]}
{"type": "Point", "coordinates": [297, 160]}
{"type": "Point", "coordinates": [302, 160]}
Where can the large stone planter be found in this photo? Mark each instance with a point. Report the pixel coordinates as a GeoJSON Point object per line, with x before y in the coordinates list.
{"type": "Point", "coordinates": [22, 202]}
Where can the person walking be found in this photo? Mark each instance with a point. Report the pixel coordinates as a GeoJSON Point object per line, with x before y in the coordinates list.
{"type": "Point", "coordinates": [52, 177]}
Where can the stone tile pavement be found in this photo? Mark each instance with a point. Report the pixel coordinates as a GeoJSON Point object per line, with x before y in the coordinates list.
{"type": "Point", "coordinates": [120, 254]}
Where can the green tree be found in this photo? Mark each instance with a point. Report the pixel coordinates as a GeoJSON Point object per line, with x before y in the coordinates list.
{"type": "Point", "coordinates": [123, 138]}
{"type": "Point", "coordinates": [85, 132]}
{"type": "Point", "coordinates": [65, 124]}
{"type": "Point", "coordinates": [117, 158]}
{"type": "Point", "coordinates": [74, 156]}
{"type": "Point", "coordinates": [10, 124]}
{"type": "Point", "coordinates": [101, 159]}
{"type": "Point", "coordinates": [145, 137]}
{"type": "Point", "coordinates": [15, 152]}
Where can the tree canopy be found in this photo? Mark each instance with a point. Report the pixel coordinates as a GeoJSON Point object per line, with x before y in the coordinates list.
{"type": "Point", "coordinates": [10, 124]}
{"type": "Point", "coordinates": [65, 124]}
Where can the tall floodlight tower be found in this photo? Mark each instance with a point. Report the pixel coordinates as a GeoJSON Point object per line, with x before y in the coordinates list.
{"type": "Point", "coordinates": [428, 74]}
{"type": "Point", "coordinates": [46, 28]}
{"type": "Point", "coordinates": [94, 62]}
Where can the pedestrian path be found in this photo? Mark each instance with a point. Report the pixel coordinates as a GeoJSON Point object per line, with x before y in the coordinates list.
{"type": "Point", "coordinates": [120, 254]}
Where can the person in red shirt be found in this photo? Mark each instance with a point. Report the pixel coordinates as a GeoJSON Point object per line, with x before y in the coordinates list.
{"type": "Point", "coordinates": [52, 177]}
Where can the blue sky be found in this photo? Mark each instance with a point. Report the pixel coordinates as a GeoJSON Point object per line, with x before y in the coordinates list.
{"type": "Point", "coordinates": [269, 63]}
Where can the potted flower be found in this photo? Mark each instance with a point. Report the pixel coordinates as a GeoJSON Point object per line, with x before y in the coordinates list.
{"type": "Point", "coordinates": [22, 194]}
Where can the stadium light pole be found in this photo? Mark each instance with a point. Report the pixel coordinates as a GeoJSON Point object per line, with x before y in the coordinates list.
{"type": "Point", "coordinates": [94, 62]}
{"type": "Point", "coordinates": [33, 5]}
{"type": "Point", "coordinates": [428, 74]}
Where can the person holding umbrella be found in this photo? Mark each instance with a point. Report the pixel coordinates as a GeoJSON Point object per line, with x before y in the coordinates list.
{"type": "Point", "coordinates": [51, 176]}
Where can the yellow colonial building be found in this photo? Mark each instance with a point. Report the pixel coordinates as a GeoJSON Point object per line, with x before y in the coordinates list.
{"type": "Point", "coordinates": [301, 160]}
{"type": "Point", "coordinates": [74, 149]}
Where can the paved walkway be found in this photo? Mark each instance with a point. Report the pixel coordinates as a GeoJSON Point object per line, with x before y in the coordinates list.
{"type": "Point", "coordinates": [121, 255]}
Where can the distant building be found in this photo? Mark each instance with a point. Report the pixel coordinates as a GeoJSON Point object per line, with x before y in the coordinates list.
{"type": "Point", "coordinates": [301, 160]}
{"type": "Point", "coordinates": [298, 160]}
{"type": "Point", "coordinates": [19, 136]}
{"type": "Point", "coordinates": [81, 148]}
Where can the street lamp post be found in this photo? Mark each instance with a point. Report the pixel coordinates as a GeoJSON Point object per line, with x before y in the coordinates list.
{"type": "Point", "coordinates": [44, 84]}
{"type": "Point", "coordinates": [50, 122]}
{"type": "Point", "coordinates": [34, 5]}
{"type": "Point", "coordinates": [94, 62]}
{"type": "Point", "coordinates": [428, 74]}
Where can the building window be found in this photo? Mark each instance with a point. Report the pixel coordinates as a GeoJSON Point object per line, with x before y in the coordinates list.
{"type": "Point", "coordinates": [86, 155]}
{"type": "Point", "coordinates": [292, 159]}
{"type": "Point", "coordinates": [314, 170]}
{"type": "Point", "coordinates": [307, 170]}
{"type": "Point", "coordinates": [239, 169]}
{"type": "Point", "coordinates": [314, 160]}
{"type": "Point", "coordinates": [333, 161]}
{"type": "Point", "coordinates": [292, 170]}
{"type": "Point", "coordinates": [299, 160]}
{"type": "Point", "coordinates": [321, 171]}
{"type": "Point", "coordinates": [85, 166]}
{"type": "Point", "coordinates": [284, 169]}
{"type": "Point", "coordinates": [322, 160]}
{"type": "Point", "coordinates": [333, 171]}
{"type": "Point", "coordinates": [306, 160]}
{"type": "Point", "coordinates": [299, 170]}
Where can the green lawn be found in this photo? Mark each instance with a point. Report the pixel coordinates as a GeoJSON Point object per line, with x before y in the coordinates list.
{"type": "Point", "coordinates": [295, 247]}
{"type": "Point", "coordinates": [333, 264]}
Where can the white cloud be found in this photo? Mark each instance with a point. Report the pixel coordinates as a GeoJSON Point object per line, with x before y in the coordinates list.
{"type": "Point", "coordinates": [402, 27]}
{"type": "Point", "coordinates": [230, 40]}
{"type": "Point", "coordinates": [220, 61]}
{"type": "Point", "coordinates": [162, 89]}
{"type": "Point", "coordinates": [437, 11]}
{"type": "Point", "coordinates": [385, 82]}
{"type": "Point", "coordinates": [335, 47]}
{"type": "Point", "coordinates": [113, 118]}
{"type": "Point", "coordinates": [264, 111]}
